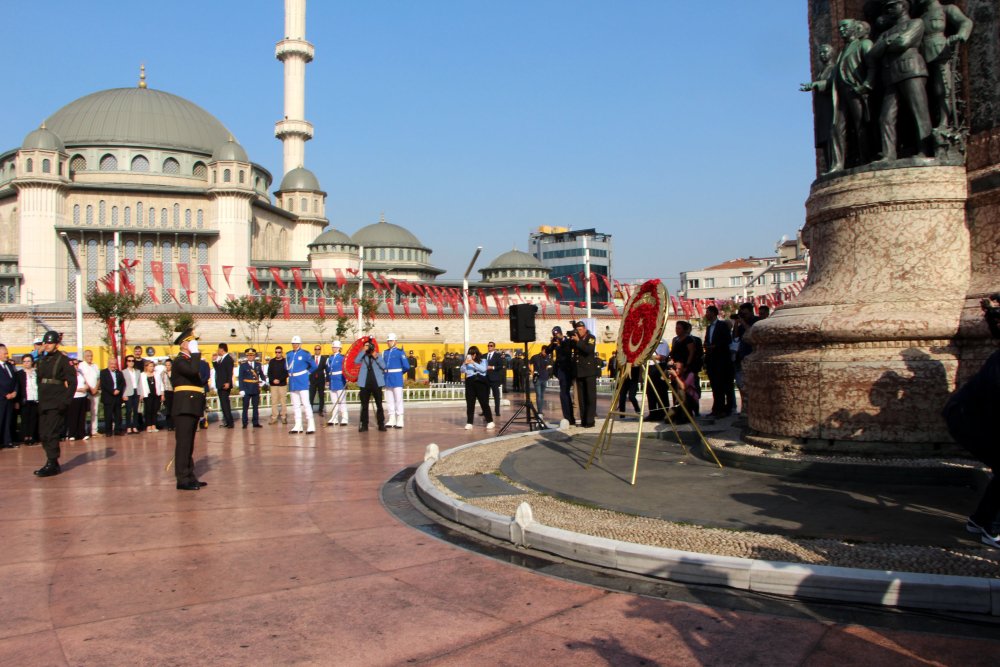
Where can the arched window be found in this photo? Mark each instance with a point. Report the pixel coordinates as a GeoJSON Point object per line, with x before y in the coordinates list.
{"type": "Point", "coordinates": [92, 257]}
{"type": "Point", "coordinates": [138, 214]}
{"type": "Point", "coordinates": [291, 204]}
{"type": "Point", "coordinates": [76, 214]}
{"type": "Point", "coordinates": [128, 216]}
{"type": "Point", "coordinates": [114, 216]}
{"type": "Point", "coordinates": [109, 163]}
{"type": "Point", "coordinates": [381, 253]}
{"type": "Point", "coordinates": [202, 259]}
{"type": "Point", "coordinates": [78, 163]}
{"type": "Point", "coordinates": [315, 205]}
{"type": "Point", "coordinates": [243, 176]}
{"type": "Point", "coordinates": [171, 166]}
{"type": "Point", "coordinates": [46, 166]}
{"type": "Point", "coordinates": [227, 176]}
{"type": "Point", "coordinates": [90, 215]}
{"type": "Point", "coordinates": [185, 258]}
{"type": "Point", "coordinates": [140, 163]}
{"type": "Point", "coordinates": [130, 249]}
{"type": "Point", "coordinates": [177, 215]}
{"type": "Point", "coordinates": [167, 255]}
{"type": "Point", "coordinates": [304, 205]}
{"type": "Point", "coordinates": [201, 219]}
{"type": "Point", "coordinates": [256, 183]}
{"type": "Point", "coordinates": [187, 218]}
{"type": "Point", "coordinates": [29, 165]}
{"type": "Point", "coordinates": [163, 217]}
{"type": "Point", "coordinates": [200, 170]}
{"type": "Point", "coordinates": [102, 210]}
{"type": "Point", "coordinates": [147, 263]}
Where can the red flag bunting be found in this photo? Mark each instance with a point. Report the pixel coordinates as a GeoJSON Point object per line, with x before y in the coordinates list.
{"type": "Point", "coordinates": [341, 278]}
{"type": "Point", "coordinates": [226, 271]}
{"type": "Point", "coordinates": [374, 281]}
{"type": "Point", "coordinates": [392, 310]}
{"type": "Point", "coordinates": [559, 287]}
{"type": "Point", "coordinates": [211, 295]}
{"type": "Point", "coordinates": [594, 285]}
{"type": "Point", "coordinates": [206, 271]}
{"type": "Point", "coordinates": [614, 308]}
{"type": "Point", "coordinates": [319, 279]}
{"type": "Point", "coordinates": [156, 268]}
{"type": "Point", "coordinates": [321, 302]}
{"type": "Point", "coordinates": [173, 295]}
{"type": "Point", "coordinates": [340, 308]}
{"type": "Point", "coordinates": [182, 273]}
{"type": "Point", "coordinates": [572, 283]}
{"type": "Point", "coordinates": [252, 270]}
{"type": "Point", "coordinates": [545, 290]}
{"type": "Point", "coordinates": [286, 307]}
{"type": "Point", "coordinates": [406, 307]}
{"type": "Point", "coordinates": [297, 277]}
{"type": "Point", "coordinates": [276, 274]}
{"type": "Point", "coordinates": [152, 295]}
{"type": "Point", "coordinates": [353, 272]}
{"type": "Point", "coordinates": [517, 290]}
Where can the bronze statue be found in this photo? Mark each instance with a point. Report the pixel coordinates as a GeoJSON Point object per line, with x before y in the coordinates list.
{"type": "Point", "coordinates": [824, 104]}
{"type": "Point", "coordinates": [939, 49]}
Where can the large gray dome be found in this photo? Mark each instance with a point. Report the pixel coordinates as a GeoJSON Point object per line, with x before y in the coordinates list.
{"type": "Point", "coordinates": [332, 237]}
{"type": "Point", "coordinates": [138, 117]}
{"type": "Point", "coordinates": [386, 235]}
{"type": "Point", "coordinates": [515, 259]}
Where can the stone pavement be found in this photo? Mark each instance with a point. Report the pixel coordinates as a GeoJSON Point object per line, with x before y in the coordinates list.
{"type": "Point", "coordinates": [289, 558]}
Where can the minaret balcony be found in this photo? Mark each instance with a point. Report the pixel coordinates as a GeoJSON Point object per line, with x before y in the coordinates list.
{"type": "Point", "coordinates": [291, 127]}
{"type": "Point", "coordinates": [294, 47]}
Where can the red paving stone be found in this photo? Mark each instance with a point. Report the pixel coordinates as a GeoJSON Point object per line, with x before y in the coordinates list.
{"type": "Point", "coordinates": [289, 558]}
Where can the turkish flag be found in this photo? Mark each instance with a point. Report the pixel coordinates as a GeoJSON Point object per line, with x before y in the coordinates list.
{"type": "Point", "coordinates": [340, 308]}
{"type": "Point", "coordinates": [182, 273]}
{"type": "Point", "coordinates": [614, 308]}
{"type": "Point", "coordinates": [545, 289]}
{"type": "Point", "coordinates": [559, 287]}
{"type": "Point", "coordinates": [206, 271]}
{"type": "Point", "coordinates": [406, 307]}
{"type": "Point", "coordinates": [572, 283]}
{"type": "Point", "coordinates": [594, 285]}
{"type": "Point", "coordinates": [211, 295]}
{"type": "Point", "coordinates": [286, 307]}
{"type": "Point", "coordinates": [319, 279]}
{"type": "Point", "coordinates": [156, 268]}
{"type": "Point", "coordinates": [152, 295]}
{"type": "Point", "coordinates": [341, 278]}
{"type": "Point", "coordinates": [482, 300]}
{"type": "Point", "coordinates": [392, 310]}
{"type": "Point", "coordinates": [517, 290]}
{"type": "Point", "coordinates": [173, 295]}
{"type": "Point", "coordinates": [276, 274]}
{"type": "Point", "coordinates": [226, 270]}
{"type": "Point", "coordinates": [321, 302]}
{"type": "Point", "coordinates": [422, 303]}
{"type": "Point", "coordinates": [252, 270]}
{"type": "Point", "coordinates": [297, 276]}
{"type": "Point", "coordinates": [374, 281]}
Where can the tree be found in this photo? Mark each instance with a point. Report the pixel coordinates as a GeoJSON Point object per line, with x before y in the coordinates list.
{"type": "Point", "coordinates": [112, 306]}
{"type": "Point", "coordinates": [170, 326]}
{"type": "Point", "coordinates": [369, 307]}
{"type": "Point", "coordinates": [251, 313]}
{"type": "Point", "coordinates": [319, 323]}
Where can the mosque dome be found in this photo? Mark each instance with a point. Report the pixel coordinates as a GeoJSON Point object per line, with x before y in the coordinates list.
{"type": "Point", "coordinates": [299, 178]}
{"type": "Point", "coordinates": [138, 117]}
{"type": "Point", "coordinates": [515, 259]}
{"type": "Point", "coordinates": [332, 237]}
{"type": "Point", "coordinates": [230, 150]}
{"type": "Point", "coordinates": [384, 234]}
{"type": "Point", "coordinates": [43, 139]}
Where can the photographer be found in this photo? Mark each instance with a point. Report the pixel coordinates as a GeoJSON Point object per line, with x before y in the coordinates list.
{"type": "Point", "coordinates": [686, 384]}
{"type": "Point", "coordinates": [586, 369]}
{"type": "Point", "coordinates": [970, 415]}
{"type": "Point", "coordinates": [477, 387]}
{"type": "Point", "coordinates": [561, 349]}
{"type": "Point", "coordinates": [371, 379]}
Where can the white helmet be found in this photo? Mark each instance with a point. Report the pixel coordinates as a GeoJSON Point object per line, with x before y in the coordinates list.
{"type": "Point", "coordinates": [391, 336]}
{"type": "Point", "coordinates": [297, 340]}
{"type": "Point", "coordinates": [337, 345]}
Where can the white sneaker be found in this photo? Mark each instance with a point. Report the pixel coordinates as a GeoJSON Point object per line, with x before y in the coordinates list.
{"type": "Point", "coordinates": [992, 540]}
{"type": "Point", "coordinates": [490, 426]}
{"type": "Point", "coordinates": [468, 427]}
{"type": "Point", "coordinates": [343, 422]}
{"type": "Point", "coordinates": [391, 423]}
{"type": "Point", "coordinates": [399, 421]}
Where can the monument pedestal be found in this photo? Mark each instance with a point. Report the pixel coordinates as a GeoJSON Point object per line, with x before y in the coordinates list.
{"type": "Point", "coordinates": [864, 359]}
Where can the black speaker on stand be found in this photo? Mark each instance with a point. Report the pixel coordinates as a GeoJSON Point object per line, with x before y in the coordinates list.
{"type": "Point", "coordinates": [522, 330]}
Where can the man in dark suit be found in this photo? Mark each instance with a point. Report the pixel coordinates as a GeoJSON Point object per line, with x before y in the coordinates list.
{"type": "Point", "coordinates": [27, 400]}
{"type": "Point", "coordinates": [112, 382]}
{"type": "Point", "coordinates": [223, 365]}
{"type": "Point", "coordinates": [189, 406]}
{"type": "Point", "coordinates": [317, 379]}
{"type": "Point", "coordinates": [8, 398]}
{"type": "Point", "coordinates": [586, 372]}
{"type": "Point", "coordinates": [719, 364]}
{"type": "Point", "coordinates": [496, 372]}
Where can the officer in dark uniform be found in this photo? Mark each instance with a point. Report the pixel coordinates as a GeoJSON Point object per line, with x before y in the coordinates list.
{"type": "Point", "coordinates": [56, 386]}
{"type": "Point", "coordinates": [587, 370]}
{"type": "Point", "coordinates": [189, 406]}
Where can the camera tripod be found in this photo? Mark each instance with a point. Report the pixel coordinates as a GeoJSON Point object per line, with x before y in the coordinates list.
{"type": "Point", "coordinates": [532, 419]}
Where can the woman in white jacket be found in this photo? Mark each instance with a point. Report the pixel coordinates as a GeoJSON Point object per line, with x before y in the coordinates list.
{"type": "Point", "coordinates": [133, 378]}
{"type": "Point", "coordinates": [151, 389]}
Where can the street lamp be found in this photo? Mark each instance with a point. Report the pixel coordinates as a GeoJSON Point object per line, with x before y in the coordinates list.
{"type": "Point", "coordinates": [465, 294]}
{"type": "Point", "coordinates": [79, 294]}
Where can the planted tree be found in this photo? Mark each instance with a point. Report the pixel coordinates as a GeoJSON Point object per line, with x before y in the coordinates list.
{"type": "Point", "coordinates": [251, 313]}
{"type": "Point", "coordinates": [170, 325]}
{"type": "Point", "coordinates": [111, 306]}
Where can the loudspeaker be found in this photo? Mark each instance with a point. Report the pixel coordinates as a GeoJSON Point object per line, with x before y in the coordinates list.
{"type": "Point", "coordinates": [522, 322]}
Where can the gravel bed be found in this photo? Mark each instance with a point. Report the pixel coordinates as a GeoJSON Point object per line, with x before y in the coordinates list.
{"type": "Point", "coordinates": [967, 561]}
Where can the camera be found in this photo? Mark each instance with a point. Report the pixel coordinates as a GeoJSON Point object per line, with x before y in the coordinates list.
{"type": "Point", "coordinates": [369, 347]}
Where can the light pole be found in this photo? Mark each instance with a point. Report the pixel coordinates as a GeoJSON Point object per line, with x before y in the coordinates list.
{"type": "Point", "coordinates": [465, 294]}
{"type": "Point", "coordinates": [586, 277]}
{"type": "Point", "coordinates": [361, 289]}
{"type": "Point", "coordinates": [79, 294]}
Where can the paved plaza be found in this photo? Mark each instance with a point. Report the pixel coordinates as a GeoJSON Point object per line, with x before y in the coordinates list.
{"type": "Point", "coordinates": [290, 557]}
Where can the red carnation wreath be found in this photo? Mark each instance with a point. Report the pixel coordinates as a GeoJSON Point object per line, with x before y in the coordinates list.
{"type": "Point", "coordinates": [643, 323]}
{"type": "Point", "coordinates": [350, 367]}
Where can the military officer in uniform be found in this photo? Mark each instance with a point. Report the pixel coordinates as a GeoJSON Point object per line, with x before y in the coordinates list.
{"type": "Point", "coordinates": [250, 375]}
{"type": "Point", "coordinates": [586, 371]}
{"type": "Point", "coordinates": [189, 406]}
{"type": "Point", "coordinates": [300, 367]}
{"type": "Point", "coordinates": [396, 364]}
{"type": "Point", "coordinates": [56, 386]}
{"type": "Point", "coordinates": [338, 386]}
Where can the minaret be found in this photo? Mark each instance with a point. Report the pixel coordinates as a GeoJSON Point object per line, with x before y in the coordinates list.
{"type": "Point", "coordinates": [295, 52]}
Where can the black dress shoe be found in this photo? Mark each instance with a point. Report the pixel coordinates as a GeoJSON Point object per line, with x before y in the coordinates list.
{"type": "Point", "coordinates": [49, 469]}
{"type": "Point", "coordinates": [244, 426]}
{"type": "Point", "coordinates": [189, 486]}
{"type": "Point", "coordinates": [382, 428]}
{"type": "Point", "coordinates": [362, 428]}
{"type": "Point", "coordinates": [201, 483]}
{"type": "Point", "coordinates": [257, 426]}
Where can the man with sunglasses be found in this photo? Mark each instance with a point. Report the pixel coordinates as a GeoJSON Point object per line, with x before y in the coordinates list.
{"type": "Point", "coordinates": [277, 378]}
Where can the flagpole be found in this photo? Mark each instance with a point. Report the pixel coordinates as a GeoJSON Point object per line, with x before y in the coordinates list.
{"type": "Point", "coordinates": [361, 288]}
{"type": "Point", "coordinates": [586, 267]}
{"type": "Point", "coordinates": [465, 294]}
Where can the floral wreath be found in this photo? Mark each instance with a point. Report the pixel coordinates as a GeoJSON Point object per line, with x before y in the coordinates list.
{"type": "Point", "coordinates": [643, 323]}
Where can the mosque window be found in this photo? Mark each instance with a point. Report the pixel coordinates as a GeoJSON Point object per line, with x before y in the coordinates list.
{"type": "Point", "coordinates": [29, 165]}
{"type": "Point", "coordinates": [102, 210]}
{"type": "Point", "coordinates": [114, 216]}
{"type": "Point", "coordinates": [140, 163]}
{"type": "Point", "coordinates": [185, 258]}
{"type": "Point", "coordinates": [256, 183]}
{"type": "Point", "coordinates": [177, 215]}
{"type": "Point", "coordinates": [151, 220]}
{"type": "Point", "coordinates": [138, 215]}
{"type": "Point", "coordinates": [202, 259]}
{"type": "Point", "coordinates": [90, 215]}
{"type": "Point", "coordinates": [315, 206]}
{"type": "Point", "coordinates": [304, 205]}
{"type": "Point", "coordinates": [130, 249]}
{"type": "Point", "coordinates": [46, 166]}
{"type": "Point", "coordinates": [147, 263]}
{"type": "Point", "coordinates": [128, 216]}
{"type": "Point", "coordinates": [78, 163]}
{"type": "Point", "coordinates": [227, 176]}
{"type": "Point", "coordinates": [171, 166]}
{"type": "Point", "coordinates": [109, 163]}
{"type": "Point", "coordinates": [243, 176]}
{"type": "Point", "coordinates": [381, 253]}
{"type": "Point", "coordinates": [187, 218]}
{"type": "Point", "coordinates": [167, 255]}
{"type": "Point", "coordinates": [201, 219]}
{"type": "Point", "coordinates": [409, 254]}
{"type": "Point", "coordinates": [164, 220]}
{"type": "Point", "coordinates": [91, 264]}
{"type": "Point", "coordinates": [200, 170]}
{"type": "Point", "coordinates": [76, 214]}
{"type": "Point", "coordinates": [291, 204]}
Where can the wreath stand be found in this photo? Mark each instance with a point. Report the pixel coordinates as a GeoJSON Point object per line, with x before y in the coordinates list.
{"type": "Point", "coordinates": [607, 428]}
{"type": "Point", "coordinates": [531, 416]}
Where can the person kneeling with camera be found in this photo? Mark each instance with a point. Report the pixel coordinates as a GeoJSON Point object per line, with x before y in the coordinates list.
{"type": "Point", "coordinates": [685, 384]}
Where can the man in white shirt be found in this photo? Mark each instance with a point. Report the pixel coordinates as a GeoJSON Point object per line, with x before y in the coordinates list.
{"type": "Point", "coordinates": [91, 374]}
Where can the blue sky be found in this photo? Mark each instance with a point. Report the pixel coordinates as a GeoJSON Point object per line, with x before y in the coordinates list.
{"type": "Point", "coordinates": [676, 126]}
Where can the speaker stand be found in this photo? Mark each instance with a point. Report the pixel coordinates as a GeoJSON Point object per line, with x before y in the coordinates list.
{"type": "Point", "coordinates": [531, 417]}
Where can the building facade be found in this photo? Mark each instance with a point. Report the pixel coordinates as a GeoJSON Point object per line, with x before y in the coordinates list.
{"type": "Point", "coordinates": [568, 253]}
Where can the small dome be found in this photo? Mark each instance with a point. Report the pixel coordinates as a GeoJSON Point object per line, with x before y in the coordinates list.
{"type": "Point", "coordinates": [331, 237]}
{"type": "Point", "coordinates": [299, 178]}
{"type": "Point", "coordinates": [515, 259]}
{"type": "Point", "coordinates": [43, 139]}
{"type": "Point", "coordinates": [230, 150]}
{"type": "Point", "coordinates": [386, 235]}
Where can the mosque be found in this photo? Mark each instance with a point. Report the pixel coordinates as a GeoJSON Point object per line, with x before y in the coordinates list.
{"type": "Point", "coordinates": [148, 178]}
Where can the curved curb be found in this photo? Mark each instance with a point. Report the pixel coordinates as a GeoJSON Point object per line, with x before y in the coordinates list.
{"type": "Point", "coordinates": [842, 584]}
